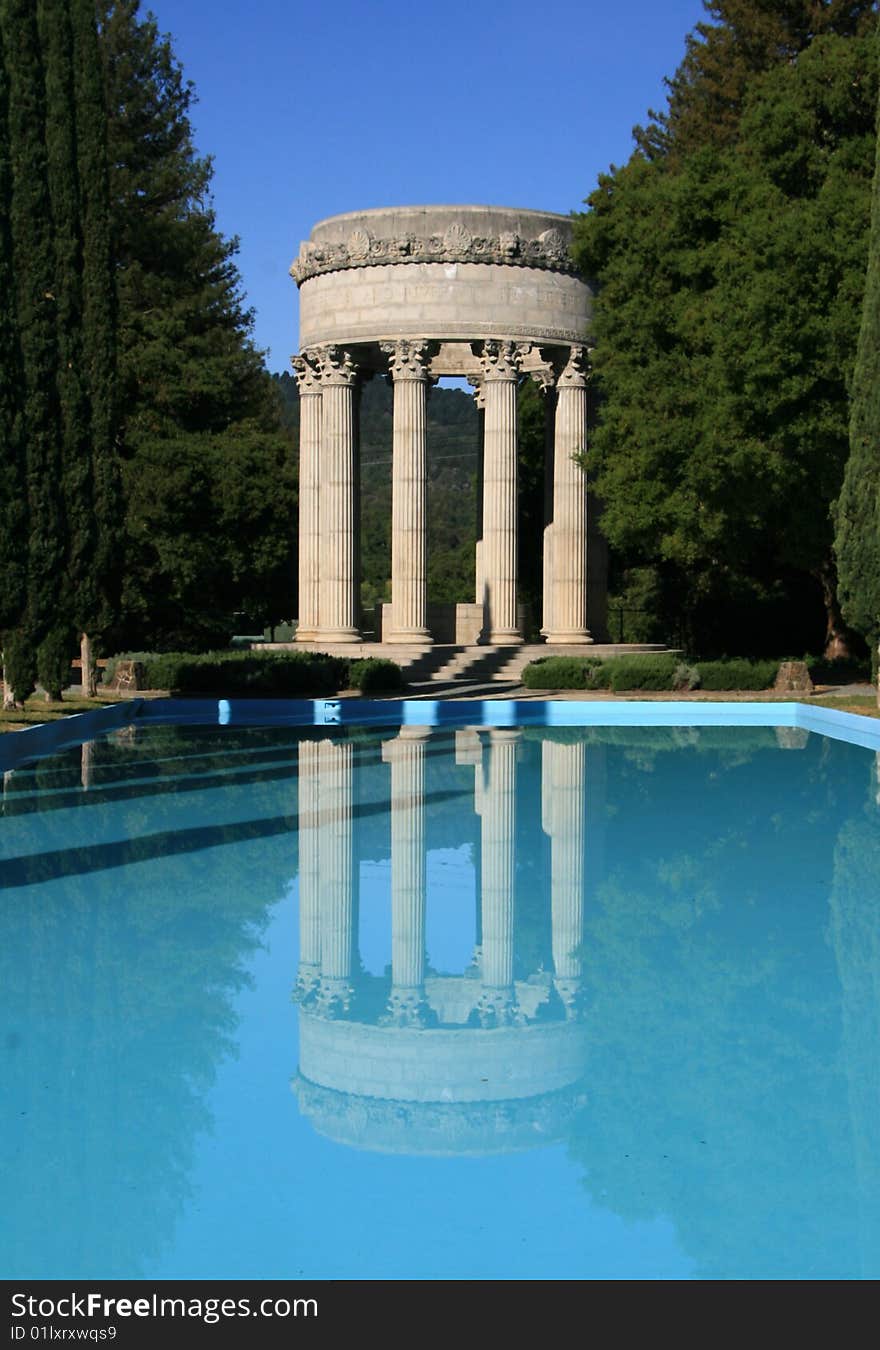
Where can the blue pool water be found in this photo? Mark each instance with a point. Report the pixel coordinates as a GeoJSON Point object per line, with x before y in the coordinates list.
{"type": "Point", "coordinates": [364, 1002]}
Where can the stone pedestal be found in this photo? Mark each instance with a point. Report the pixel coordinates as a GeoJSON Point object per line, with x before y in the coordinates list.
{"type": "Point", "coordinates": [339, 604]}
{"type": "Point", "coordinates": [565, 560]}
{"type": "Point", "coordinates": [308, 377]}
{"type": "Point", "coordinates": [409, 497]}
{"type": "Point", "coordinates": [498, 555]}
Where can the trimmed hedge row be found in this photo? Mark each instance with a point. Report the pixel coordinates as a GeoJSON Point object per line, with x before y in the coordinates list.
{"type": "Point", "coordinates": [623, 674]}
{"type": "Point", "coordinates": [269, 674]}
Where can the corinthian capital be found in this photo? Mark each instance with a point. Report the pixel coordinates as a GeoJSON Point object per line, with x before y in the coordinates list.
{"type": "Point", "coordinates": [307, 369]}
{"type": "Point", "coordinates": [407, 359]}
{"type": "Point", "coordinates": [502, 360]}
{"type": "Point", "coordinates": [337, 365]}
{"type": "Point", "coordinates": [577, 372]}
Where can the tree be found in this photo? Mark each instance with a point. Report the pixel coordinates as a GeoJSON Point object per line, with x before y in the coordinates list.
{"type": "Point", "coordinates": [748, 37]}
{"type": "Point", "coordinates": [724, 343]}
{"type": "Point", "coordinates": [857, 541]}
{"type": "Point", "coordinates": [193, 388]}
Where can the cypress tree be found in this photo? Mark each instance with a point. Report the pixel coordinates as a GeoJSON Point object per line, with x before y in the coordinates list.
{"type": "Point", "coordinates": [857, 514]}
{"type": "Point", "coordinates": [33, 264]}
{"type": "Point", "coordinates": [13, 508]}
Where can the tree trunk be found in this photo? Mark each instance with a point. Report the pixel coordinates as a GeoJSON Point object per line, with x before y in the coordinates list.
{"type": "Point", "coordinates": [89, 678]}
{"type": "Point", "coordinates": [839, 638]}
{"type": "Point", "coordinates": [8, 695]}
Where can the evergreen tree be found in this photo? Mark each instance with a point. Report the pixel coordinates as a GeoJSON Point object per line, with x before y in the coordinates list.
{"type": "Point", "coordinates": [725, 337]}
{"type": "Point", "coordinates": [857, 542]}
{"type": "Point", "coordinates": [33, 268]}
{"type": "Point", "coordinates": [192, 385]}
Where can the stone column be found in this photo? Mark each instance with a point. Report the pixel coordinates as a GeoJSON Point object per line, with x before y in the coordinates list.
{"type": "Point", "coordinates": [500, 367]}
{"type": "Point", "coordinates": [407, 1005]}
{"type": "Point", "coordinates": [336, 876]}
{"type": "Point", "coordinates": [497, 1005]}
{"type": "Point", "coordinates": [408, 367]}
{"type": "Point", "coordinates": [339, 606]}
{"type": "Point", "coordinates": [308, 377]}
{"type": "Point", "coordinates": [309, 834]}
{"type": "Point", "coordinates": [567, 620]}
{"type": "Point", "coordinates": [563, 794]}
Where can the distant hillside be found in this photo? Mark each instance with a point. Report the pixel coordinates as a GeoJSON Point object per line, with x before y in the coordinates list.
{"type": "Point", "coordinates": [452, 502]}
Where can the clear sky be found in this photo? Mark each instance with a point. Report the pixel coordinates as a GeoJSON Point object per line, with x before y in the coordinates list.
{"type": "Point", "coordinates": [310, 109]}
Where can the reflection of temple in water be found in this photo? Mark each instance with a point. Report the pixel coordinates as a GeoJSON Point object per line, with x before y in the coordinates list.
{"type": "Point", "coordinates": [417, 1062]}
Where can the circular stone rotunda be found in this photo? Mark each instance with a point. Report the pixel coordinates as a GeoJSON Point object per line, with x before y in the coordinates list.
{"type": "Point", "coordinates": [416, 293]}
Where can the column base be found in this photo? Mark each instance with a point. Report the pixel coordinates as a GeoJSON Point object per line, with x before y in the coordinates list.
{"type": "Point", "coordinates": [337, 635]}
{"type": "Point", "coordinates": [571, 636]}
{"type": "Point", "coordinates": [305, 635]}
{"type": "Point", "coordinates": [419, 636]}
{"type": "Point", "coordinates": [504, 637]}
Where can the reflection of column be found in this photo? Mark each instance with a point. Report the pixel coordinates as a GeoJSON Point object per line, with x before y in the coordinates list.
{"type": "Point", "coordinates": [309, 833]}
{"type": "Point", "coordinates": [308, 377]}
{"type": "Point", "coordinates": [336, 875]}
{"type": "Point", "coordinates": [567, 595]}
{"type": "Point", "coordinates": [338, 598]}
{"type": "Point", "coordinates": [406, 754]}
{"type": "Point", "coordinates": [500, 362]}
{"type": "Point", "coordinates": [497, 1003]}
{"type": "Point", "coordinates": [409, 498]}
{"type": "Point", "coordinates": [563, 815]}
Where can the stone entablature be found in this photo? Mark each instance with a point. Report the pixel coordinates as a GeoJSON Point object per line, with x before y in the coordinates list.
{"type": "Point", "coordinates": [456, 245]}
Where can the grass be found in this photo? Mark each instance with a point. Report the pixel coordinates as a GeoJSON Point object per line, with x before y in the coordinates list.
{"type": "Point", "coordinates": [36, 711]}
{"type": "Point", "coordinates": [866, 704]}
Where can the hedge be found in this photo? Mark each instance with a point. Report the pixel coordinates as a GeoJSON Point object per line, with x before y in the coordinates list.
{"type": "Point", "coordinates": [269, 674]}
{"type": "Point", "coordinates": [565, 672]}
{"type": "Point", "coordinates": [737, 674]}
{"type": "Point", "coordinates": [648, 671]}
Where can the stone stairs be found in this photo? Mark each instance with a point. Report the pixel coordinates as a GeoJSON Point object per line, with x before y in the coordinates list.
{"type": "Point", "coordinates": [449, 665]}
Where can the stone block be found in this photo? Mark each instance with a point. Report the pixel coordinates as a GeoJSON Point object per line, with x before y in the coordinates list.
{"type": "Point", "coordinates": [793, 677]}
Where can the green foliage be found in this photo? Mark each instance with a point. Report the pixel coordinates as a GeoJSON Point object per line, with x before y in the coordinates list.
{"type": "Point", "coordinates": [267, 674]}
{"type": "Point", "coordinates": [642, 672]}
{"type": "Point", "coordinates": [375, 675]}
{"type": "Point", "coordinates": [209, 480]}
{"type": "Point", "coordinates": [725, 330]}
{"type": "Point", "coordinates": [566, 672]}
{"type": "Point", "coordinates": [735, 674]}
{"type": "Point", "coordinates": [20, 665]}
{"type": "Point", "coordinates": [53, 661]}
{"type": "Point", "coordinates": [857, 540]}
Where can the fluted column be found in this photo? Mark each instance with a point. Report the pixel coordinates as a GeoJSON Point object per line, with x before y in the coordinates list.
{"type": "Point", "coordinates": [338, 602]}
{"type": "Point", "coordinates": [563, 793]}
{"type": "Point", "coordinates": [336, 875]}
{"type": "Point", "coordinates": [408, 368]}
{"type": "Point", "coordinates": [497, 1004]}
{"type": "Point", "coordinates": [407, 1005]}
{"type": "Point", "coordinates": [308, 377]}
{"type": "Point", "coordinates": [567, 560]}
{"type": "Point", "coordinates": [500, 363]}
{"type": "Point", "coordinates": [309, 833]}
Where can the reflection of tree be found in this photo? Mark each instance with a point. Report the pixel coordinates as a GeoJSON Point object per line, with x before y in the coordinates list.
{"type": "Point", "coordinates": [855, 935]}
{"type": "Point", "coordinates": [120, 990]}
{"type": "Point", "coordinates": [715, 1090]}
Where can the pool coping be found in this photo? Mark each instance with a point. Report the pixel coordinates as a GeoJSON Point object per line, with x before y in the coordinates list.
{"type": "Point", "coordinates": [18, 747]}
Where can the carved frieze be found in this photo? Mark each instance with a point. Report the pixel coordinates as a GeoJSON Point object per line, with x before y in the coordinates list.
{"type": "Point", "coordinates": [456, 244]}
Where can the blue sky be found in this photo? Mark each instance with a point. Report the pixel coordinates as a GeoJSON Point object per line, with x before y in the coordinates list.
{"type": "Point", "coordinates": [310, 109]}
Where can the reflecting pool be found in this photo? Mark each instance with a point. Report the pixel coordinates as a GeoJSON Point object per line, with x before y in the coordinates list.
{"type": "Point", "coordinates": [476, 1003]}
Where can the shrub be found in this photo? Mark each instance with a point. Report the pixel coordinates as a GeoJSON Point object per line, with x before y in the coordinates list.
{"type": "Point", "coordinates": [265, 674]}
{"type": "Point", "coordinates": [737, 673]}
{"type": "Point", "coordinates": [642, 672]}
{"type": "Point", "coordinates": [375, 675]}
{"type": "Point", "coordinates": [565, 672]}
{"type": "Point", "coordinates": [53, 662]}
{"type": "Point", "coordinates": [20, 665]}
